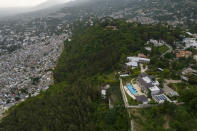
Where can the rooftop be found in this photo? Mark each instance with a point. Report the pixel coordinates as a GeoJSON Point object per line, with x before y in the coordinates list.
{"type": "Point", "coordinates": [133, 63]}
{"type": "Point", "coordinates": [154, 88]}
{"type": "Point", "coordinates": [182, 53]}
{"type": "Point", "coordinates": [161, 98]}
{"type": "Point", "coordinates": [147, 79]}
{"type": "Point", "coordinates": [142, 98]}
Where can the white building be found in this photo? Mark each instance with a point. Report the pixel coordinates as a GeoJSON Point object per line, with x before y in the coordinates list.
{"type": "Point", "coordinates": [124, 75]}
{"type": "Point", "coordinates": [190, 42]}
{"type": "Point", "coordinates": [148, 48]}
{"type": "Point", "coordinates": [154, 90]}
{"type": "Point", "coordinates": [133, 61]}
{"type": "Point", "coordinates": [133, 64]}
{"type": "Point", "coordinates": [103, 94]}
{"type": "Point", "coordinates": [195, 57]}
{"type": "Point", "coordinates": [155, 42]}
{"type": "Point", "coordinates": [189, 33]}
{"type": "Point", "coordinates": [146, 83]}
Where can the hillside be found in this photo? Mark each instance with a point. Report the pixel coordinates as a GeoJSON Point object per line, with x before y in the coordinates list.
{"type": "Point", "coordinates": [173, 12]}
{"type": "Point", "coordinates": [90, 61]}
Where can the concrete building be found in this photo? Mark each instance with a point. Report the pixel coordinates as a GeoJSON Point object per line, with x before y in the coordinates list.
{"type": "Point", "coordinates": [103, 94]}
{"type": "Point", "coordinates": [142, 98]}
{"type": "Point", "coordinates": [133, 61]}
{"type": "Point", "coordinates": [190, 42]}
{"type": "Point", "coordinates": [183, 54]}
{"type": "Point", "coordinates": [133, 64]}
{"type": "Point", "coordinates": [146, 83]}
{"type": "Point", "coordinates": [156, 42]}
{"type": "Point", "coordinates": [195, 57]}
{"type": "Point", "coordinates": [154, 90]}
{"type": "Point", "coordinates": [148, 48]}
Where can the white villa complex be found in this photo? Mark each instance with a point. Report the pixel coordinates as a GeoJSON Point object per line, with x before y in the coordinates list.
{"type": "Point", "coordinates": [133, 61]}
{"type": "Point", "coordinates": [146, 84]}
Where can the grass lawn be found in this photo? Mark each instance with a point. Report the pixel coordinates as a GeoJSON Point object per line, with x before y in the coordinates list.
{"type": "Point", "coordinates": [163, 49]}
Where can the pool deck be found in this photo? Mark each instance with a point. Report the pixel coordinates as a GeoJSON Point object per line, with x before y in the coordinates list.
{"type": "Point", "coordinates": [139, 92]}
{"type": "Point", "coordinates": [132, 89]}
{"type": "Point", "coordinates": [129, 93]}
{"type": "Point", "coordinates": [138, 89]}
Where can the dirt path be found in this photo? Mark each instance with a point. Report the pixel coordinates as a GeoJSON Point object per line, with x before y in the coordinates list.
{"type": "Point", "coordinates": [172, 81]}
{"type": "Point", "coordinates": [166, 82]}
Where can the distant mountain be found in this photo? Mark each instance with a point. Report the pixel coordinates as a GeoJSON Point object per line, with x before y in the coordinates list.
{"type": "Point", "coordinates": [12, 11]}
{"type": "Point", "coordinates": [48, 5]}
{"type": "Point", "coordinates": [145, 11]}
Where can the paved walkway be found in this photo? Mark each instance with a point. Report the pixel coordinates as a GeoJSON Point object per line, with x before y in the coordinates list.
{"type": "Point", "coordinates": [143, 69]}
{"type": "Point", "coordinates": [110, 105]}
{"type": "Point", "coordinates": [132, 125]}
{"type": "Point", "coordinates": [172, 81]}
{"type": "Point", "coordinates": [168, 51]}
{"type": "Point", "coordinates": [123, 94]}
{"type": "Point", "coordinates": [137, 88]}
{"type": "Point", "coordinates": [128, 92]}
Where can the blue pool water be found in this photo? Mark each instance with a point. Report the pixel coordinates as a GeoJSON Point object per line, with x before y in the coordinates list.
{"type": "Point", "coordinates": [131, 89]}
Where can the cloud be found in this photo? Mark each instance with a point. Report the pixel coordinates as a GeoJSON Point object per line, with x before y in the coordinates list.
{"type": "Point", "coordinates": [26, 3]}
{"type": "Point", "coordinates": [20, 3]}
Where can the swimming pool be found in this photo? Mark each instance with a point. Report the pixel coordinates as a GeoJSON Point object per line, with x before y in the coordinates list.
{"type": "Point", "coordinates": [131, 89]}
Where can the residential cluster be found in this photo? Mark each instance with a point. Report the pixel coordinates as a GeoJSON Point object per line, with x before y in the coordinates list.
{"type": "Point", "coordinates": [134, 61]}
{"type": "Point", "coordinates": [28, 54]}
{"type": "Point", "coordinates": [156, 42]}
{"type": "Point", "coordinates": [144, 88]}
{"type": "Point", "coordinates": [150, 88]}
{"type": "Point", "coordinates": [27, 71]}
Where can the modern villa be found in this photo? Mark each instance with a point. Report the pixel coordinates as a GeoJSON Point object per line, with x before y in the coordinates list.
{"type": "Point", "coordinates": [146, 84]}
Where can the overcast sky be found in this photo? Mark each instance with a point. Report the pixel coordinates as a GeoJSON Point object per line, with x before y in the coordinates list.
{"type": "Point", "coordinates": [22, 3]}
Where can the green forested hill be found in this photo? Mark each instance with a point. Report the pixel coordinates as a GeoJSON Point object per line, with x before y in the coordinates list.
{"type": "Point", "coordinates": [100, 49]}
{"type": "Point", "coordinates": [74, 102]}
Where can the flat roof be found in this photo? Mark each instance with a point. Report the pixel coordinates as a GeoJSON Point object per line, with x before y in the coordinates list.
{"type": "Point", "coordinates": [161, 97]}
{"type": "Point", "coordinates": [103, 92]}
{"type": "Point", "coordinates": [124, 75]}
{"type": "Point", "coordinates": [147, 79]}
{"type": "Point", "coordinates": [144, 59]}
{"type": "Point", "coordinates": [154, 88]}
{"type": "Point", "coordinates": [133, 63]}
{"type": "Point", "coordinates": [142, 98]}
{"type": "Point", "coordinates": [137, 59]}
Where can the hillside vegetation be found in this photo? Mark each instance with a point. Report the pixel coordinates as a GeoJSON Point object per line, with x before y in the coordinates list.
{"type": "Point", "coordinates": [74, 103]}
